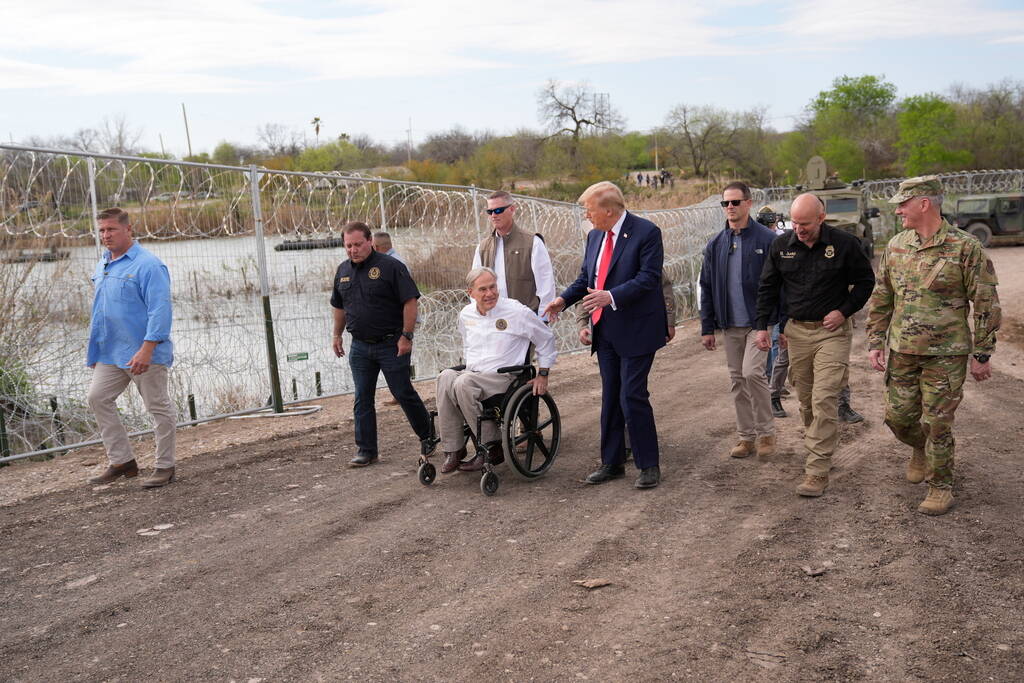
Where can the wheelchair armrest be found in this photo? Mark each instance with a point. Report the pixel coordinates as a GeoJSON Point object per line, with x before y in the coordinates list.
{"type": "Point", "coordinates": [513, 368]}
{"type": "Point", "coordinates": [457, 368]}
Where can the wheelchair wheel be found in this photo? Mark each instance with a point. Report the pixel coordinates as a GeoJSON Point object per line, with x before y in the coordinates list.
{"type": "Point", "coordinates": [530, 432]}
{"type": "Point", "coordinates": [426, 473]}
{"type": "Point", "coordinates": [489, 483]}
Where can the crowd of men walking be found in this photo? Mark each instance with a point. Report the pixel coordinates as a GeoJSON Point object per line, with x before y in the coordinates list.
{"type": "Point", "coordinates": [766, 293]}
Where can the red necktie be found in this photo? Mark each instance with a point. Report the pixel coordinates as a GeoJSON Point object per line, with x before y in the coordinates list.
{"type": "Point", "coordinates": [602, 272]}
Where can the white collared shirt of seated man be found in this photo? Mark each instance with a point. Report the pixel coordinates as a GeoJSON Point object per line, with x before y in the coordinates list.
{"type": "Point", "coordinates": [496, 332]}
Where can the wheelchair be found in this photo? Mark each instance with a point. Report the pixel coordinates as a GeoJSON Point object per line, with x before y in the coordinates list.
{"type": "Point", "coordinates": [529, 428]}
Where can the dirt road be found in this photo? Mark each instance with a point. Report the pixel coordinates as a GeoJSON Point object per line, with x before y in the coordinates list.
{"type": "Point", "coordinates": [283, 564]}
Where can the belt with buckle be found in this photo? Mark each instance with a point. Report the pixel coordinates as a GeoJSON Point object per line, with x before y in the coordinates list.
{"type": "Point", "coordinates": [809, 323]}
{"type": "Point", "coordinates": [377, 340]}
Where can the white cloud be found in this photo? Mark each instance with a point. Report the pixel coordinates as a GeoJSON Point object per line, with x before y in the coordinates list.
{"type": "Point", "coordinates": [230, 45]}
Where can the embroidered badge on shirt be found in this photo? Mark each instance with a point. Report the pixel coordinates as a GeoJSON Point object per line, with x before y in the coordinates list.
{"type": "Point", "coordinates": [830, 251]}
{"type": "Point", "coordinates": [345, 278]}
{"type": "Point", "coordinates": [501, 324]}
{"type": "Point", "coordinates": [374, 273]}
{"type": "Point", "coordinates": [787, 254]}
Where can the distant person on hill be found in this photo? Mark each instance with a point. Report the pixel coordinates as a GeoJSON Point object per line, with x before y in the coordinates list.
{"type": "Point", "coordinates": [130, 342]}
{"type": "Point", "coordinates": [382, 245]}
{"type": "Point", "coordinates": [519, 257]}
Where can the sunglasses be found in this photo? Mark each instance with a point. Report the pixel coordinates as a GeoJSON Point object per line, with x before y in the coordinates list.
{"type": "Point", "coordinates": [498, 211]}
{"type": "Point", "coordinates": [734, 202]}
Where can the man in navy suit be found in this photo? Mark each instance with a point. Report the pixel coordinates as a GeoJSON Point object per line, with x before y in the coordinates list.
{"type": "Point", "coordinates": [620, 286]}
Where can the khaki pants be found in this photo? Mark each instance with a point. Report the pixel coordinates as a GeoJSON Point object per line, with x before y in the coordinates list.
{"type": "Point", "coordinates": [109, 382]}
{"type": "Point", "coordinates": [819, 363]}
{"type": "Point", "coordinates": [749, 385]}
{"type": "Point", "coordinates": [459, 393]}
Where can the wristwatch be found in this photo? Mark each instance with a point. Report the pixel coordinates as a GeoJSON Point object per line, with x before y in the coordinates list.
{"type": "Point", "coordinates": [544, 372]}
{"type": "Point", "coordinates": [982, 357]}
{"type": "Point", "coordinates": [407, 335]}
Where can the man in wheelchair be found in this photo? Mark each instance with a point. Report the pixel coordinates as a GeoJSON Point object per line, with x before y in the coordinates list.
{"type": "Point", "coordinates": [496, 333]}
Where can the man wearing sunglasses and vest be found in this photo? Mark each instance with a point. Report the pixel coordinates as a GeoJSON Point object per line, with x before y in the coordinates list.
{"type": "Point", "coordinates": [518, 256]}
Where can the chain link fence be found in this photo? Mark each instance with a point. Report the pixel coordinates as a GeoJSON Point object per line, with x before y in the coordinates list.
{"type": "Point", "coordinates": [237, 243]}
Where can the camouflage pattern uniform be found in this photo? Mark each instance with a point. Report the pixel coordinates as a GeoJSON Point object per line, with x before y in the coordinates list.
{"type": "Point", "coordinates": [922, 299]}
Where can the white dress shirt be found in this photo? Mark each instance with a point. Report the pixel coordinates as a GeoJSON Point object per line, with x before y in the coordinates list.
{"type": "Point", "coordinates": [501, 337]}
{"type": "Point", "coordinates": [616, 229]}
{"type": "Point", "coordinates": [540, 264]}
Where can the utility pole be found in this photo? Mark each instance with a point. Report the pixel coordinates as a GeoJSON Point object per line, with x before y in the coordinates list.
{"type": "Point", "coordinates": [188, 138]}
{"type": "Point", "coordinates": [408, 144]}
{"type": "Point", "coordinates": [657, 166]}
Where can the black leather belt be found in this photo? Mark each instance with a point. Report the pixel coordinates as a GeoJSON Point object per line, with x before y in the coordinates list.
{"type": "Point", "coordinates": [377, 340]}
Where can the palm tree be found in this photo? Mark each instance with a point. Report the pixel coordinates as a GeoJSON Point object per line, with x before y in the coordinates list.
{"type": "Point", "coordinates": [316, 129]}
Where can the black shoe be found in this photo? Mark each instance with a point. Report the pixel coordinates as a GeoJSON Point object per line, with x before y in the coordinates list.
{"type": "Point", "coordinates": [362, 460]}
{"type": "Point", "coordinates": [606, 473]}
{"type": "Point", "coordinates": [427, 446]}
{"type": "Point", "coordinates": [777, 409]}
{"type": "Point", "coordinates": [848, 414]}
{"type": "Point", "coordinates": [649, 477]}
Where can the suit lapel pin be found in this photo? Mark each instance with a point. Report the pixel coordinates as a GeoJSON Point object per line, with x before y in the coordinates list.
{"type": "Point", "coordinates": [625, 235]}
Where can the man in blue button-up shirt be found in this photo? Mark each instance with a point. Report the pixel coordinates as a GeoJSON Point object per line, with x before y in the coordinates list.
{"type": "Point", "coordinates": [130, 341]}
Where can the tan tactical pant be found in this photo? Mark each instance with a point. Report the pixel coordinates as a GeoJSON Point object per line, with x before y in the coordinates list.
{"type": "Point", "coordinates": [819, 363]}
{"type": "Point", "coordinates": [750, 392]}
{"type": "Point", "coordinates": [109, 382]}
{"type": "Point", "coordinates": [459, 394]}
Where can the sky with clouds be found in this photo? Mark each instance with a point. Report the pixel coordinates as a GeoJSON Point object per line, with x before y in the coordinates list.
{"type": "Point", "coordinates": [368, 67]}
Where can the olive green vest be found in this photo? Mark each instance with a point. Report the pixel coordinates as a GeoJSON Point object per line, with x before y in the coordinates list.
{"type": "Point", "coordinates": [518, 251]}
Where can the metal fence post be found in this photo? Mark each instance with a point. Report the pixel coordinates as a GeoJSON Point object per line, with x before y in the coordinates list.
{"type": "Point", "coordinates": [90, 164]}
{"type": "Point", "coordinates": [383, 213]}
{"type": "Point", "coordinates": [268, 318]}
{"type": "Point", "coordinates": [476, 214]}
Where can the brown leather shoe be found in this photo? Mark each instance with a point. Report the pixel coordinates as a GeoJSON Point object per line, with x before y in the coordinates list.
{"type": "Point", "coordinates": [127, 470]}
{"type": "Point", "coordinates": [452, 460]}
{"type": "Point", "coordinates": [162, 476]}
{"type": "Point", "coordinates": [474, 465]}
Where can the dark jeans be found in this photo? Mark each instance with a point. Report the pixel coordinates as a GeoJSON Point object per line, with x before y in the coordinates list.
{"type": "Point", "coordinates": [367, 362]}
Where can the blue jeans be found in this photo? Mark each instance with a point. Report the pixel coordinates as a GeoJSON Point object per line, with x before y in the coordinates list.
{"type": "Point", "coordinates": [367, 361]}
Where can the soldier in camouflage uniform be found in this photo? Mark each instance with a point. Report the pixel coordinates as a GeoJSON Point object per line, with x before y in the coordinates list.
{"type": "Point", "coordinates": [930, 276]}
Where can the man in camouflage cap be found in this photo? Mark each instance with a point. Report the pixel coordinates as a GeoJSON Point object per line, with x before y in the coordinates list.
{"type": "Point", "coordinates": [929, 276]}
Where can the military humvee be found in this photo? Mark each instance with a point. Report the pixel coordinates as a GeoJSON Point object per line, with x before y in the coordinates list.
{"type": "Point", "coordinates": [845, 205]}
{"type": "Point", "coordinates": [992, 218]}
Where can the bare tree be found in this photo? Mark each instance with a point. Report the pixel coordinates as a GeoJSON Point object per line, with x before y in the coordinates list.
{"type": "Point", "coordinates": [115, 136]}
{"type": "Point", "coordinates": [575, 110]}
{"type": "Point", "coordinates": [279, 140]}
{"type": "Point", "coordinates": [451, 145]}
{"type": "Point", "coordinates": [700, 136]}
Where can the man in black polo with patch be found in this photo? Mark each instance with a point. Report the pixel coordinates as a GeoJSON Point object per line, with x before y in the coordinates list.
{"type": "Point", "coordinates": [375, 299]}
{"type": "Point", "coordinates": [827, 278]}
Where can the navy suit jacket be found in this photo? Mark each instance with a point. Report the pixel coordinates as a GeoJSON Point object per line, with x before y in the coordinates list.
{"type": "Point", "coordinates": [637, 327]}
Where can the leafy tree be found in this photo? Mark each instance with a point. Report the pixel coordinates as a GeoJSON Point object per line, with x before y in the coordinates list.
{"type": "Point", "coordinates": [929, 136]}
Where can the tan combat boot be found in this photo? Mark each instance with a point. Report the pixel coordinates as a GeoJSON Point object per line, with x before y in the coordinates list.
{"type": "Point", "coordinates": [766, 446]}
{"type": "Point", "coordinates": [742, 450]}
{"type": "Point", "coordinates": [917, 468]}
{"type": "Point", "coordinates": [812, 486]}
{"type": "Point", "coordinates": [938, 501]}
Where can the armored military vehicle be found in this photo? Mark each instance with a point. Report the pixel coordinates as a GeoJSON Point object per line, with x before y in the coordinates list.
{"type": "Point", "coordinates": [992, 218]}
{"type": "Point", "coordinates": [846, 207]}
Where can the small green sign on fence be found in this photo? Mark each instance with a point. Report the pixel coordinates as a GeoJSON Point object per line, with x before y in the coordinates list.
{"type": "Point", "coordinates": [302, 355]}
